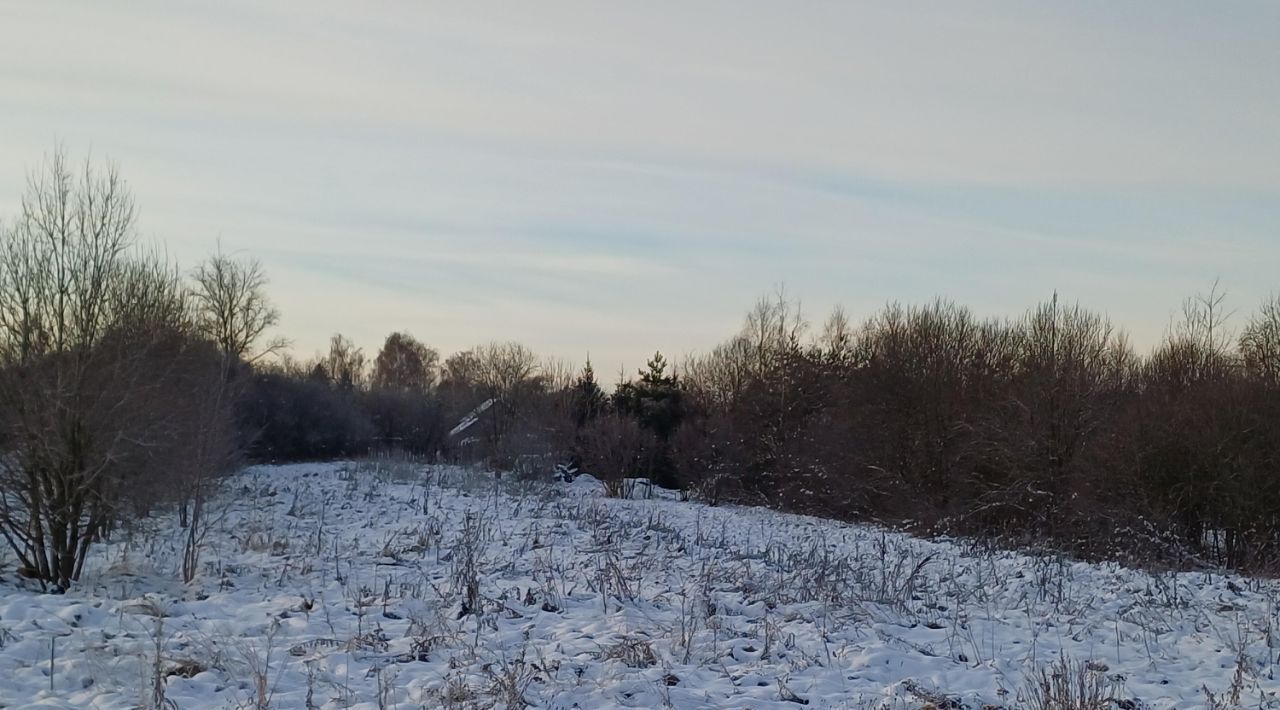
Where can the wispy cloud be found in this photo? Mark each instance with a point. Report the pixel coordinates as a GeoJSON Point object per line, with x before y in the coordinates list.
{"type": "Point", "coordinates": [622, 177]}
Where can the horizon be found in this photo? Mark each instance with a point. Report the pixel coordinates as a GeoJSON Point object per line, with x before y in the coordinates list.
{"type": "Point", "coordinates": [611, 180]}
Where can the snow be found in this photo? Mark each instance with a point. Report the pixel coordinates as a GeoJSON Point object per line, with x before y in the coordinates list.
{"type": "Point", "coordinates": [472, 417]}
{"type": "Point", "coordinates": [347, 585]}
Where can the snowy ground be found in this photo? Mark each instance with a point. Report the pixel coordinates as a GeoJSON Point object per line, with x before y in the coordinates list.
{"type": "Point", "coordinates": [338, 586]}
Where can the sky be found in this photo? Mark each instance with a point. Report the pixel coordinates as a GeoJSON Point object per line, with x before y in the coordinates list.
{"type": "Point", "coordinates": [614, 178]}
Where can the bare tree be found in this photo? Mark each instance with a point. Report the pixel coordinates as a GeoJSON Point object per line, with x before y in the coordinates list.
{"type": "Point", "coordinates": [772, 330]}
{"type": "Point", "coordinates": [770, 333]}
{"type": "Point", "coordinates": [1260, 341]}
{"type": "Point", "coordinates": [90, 338]}
{"type": "Point", "coordinates": [719, 378]}
{"type": "Point", "coordinates": [614, 448]}
{"type": "Point", "coordinates": [504, 368]}
{"type": "Point", "coordinates": [233, 308]}
{"type": "Point", "coordinates": [1204, 320]}
{"type": "Point", "coordinates": [232, 311]}
{"type": "Point", "coordinates": [837, 338]}
{"type": "Point", "coordinates": [405, 365]}
{"type": "Point", "coordinates": [558, 373]}
{"type": "Point", "coordinates": [460, 375]}
{"type": "Point", "coordinates": [1072, 367]}
{"type": "Point", "coordinates": [507, 376]}
{"type": "Point", "coordinates": [344, 364]}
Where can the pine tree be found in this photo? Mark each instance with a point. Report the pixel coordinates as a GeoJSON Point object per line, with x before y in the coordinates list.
{"type": "Point", "coordinates": [588, 399]}
{"type": "Point", "coordinates": [656, 402]}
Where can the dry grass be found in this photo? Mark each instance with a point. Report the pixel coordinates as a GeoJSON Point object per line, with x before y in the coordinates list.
{"type": "Point", "coordinates": [1067, 684]}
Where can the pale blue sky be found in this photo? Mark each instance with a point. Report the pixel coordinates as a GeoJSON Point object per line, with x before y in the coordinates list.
{"type": "Point", "coordinates": [620, 177]}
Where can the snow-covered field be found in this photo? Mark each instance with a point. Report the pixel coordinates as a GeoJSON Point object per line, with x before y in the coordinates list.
{"type": "Point", "coordinates": [345, 585]}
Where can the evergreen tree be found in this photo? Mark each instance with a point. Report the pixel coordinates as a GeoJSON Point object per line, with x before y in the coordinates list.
{"type": "Point", "coordinates": [588, 399]}
{"type": "Point", "coordinates": [656, 402]}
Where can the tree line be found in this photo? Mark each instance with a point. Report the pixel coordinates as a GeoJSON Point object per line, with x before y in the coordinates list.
{"type": "Point", "coordinates": [128, 384]}
{"type": "Point", "coordinates": [1048, 428]}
